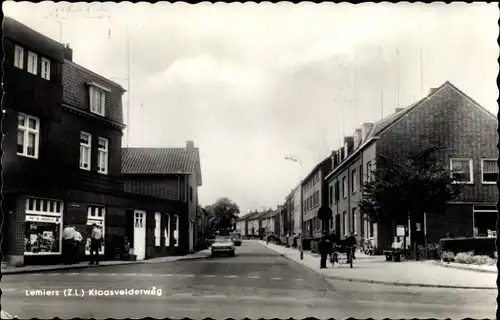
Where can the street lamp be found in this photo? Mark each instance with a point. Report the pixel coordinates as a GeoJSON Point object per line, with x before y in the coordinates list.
{"type": "Point", "coordinates": [297, 160]}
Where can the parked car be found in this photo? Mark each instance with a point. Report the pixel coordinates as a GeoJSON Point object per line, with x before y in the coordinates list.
{"type": "Point", "coordinates": [223, 245]}
{"type": "Point", "coordinates": [236, 238]}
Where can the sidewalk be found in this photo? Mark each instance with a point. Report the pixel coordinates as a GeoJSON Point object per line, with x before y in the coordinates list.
{"type": "Point", "coordinates": [374, 269]}
{"type": "Point", "coordinates": [36, 269]}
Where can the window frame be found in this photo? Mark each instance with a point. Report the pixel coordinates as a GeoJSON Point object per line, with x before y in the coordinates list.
{"type": "Point", "coordinates": [89, 146]}
{"type": "Point", "coordinates": [43, 70]}
{"type": "Point", "coordinates": [345, 186]}
{"type": "Point", "coordinates": [369, 171]}
{"type": "Point", "coordinates": [97, 89]}
{"type": "Point", "coordinates": [471, 170]}
{"type": "Point", "coordinates": [35, 59]}
{"type": "Point", "coordinates": [26, 130]}
{"type": "Point", "coordinates": [354, 178]}
{"type": "Point", "coordinates": [157, 231]}
{"type": "Point", "coordinates": [102, 152]}
{"type": "Point", "coordinates": [482, 170]}
{"type": "Point", "coordinates": [18, 57]}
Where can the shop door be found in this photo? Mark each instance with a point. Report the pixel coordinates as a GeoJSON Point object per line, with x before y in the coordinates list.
{"type": "Point", "coordinates": [140, 234]}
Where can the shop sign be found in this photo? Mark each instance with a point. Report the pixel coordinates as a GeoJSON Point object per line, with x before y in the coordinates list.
{"type": "Point", "coordinates": [31, 218]}
{"type": "Point", "coordinates": [74, 205]}
{"type": "Point", "coordinates": [96, 221]}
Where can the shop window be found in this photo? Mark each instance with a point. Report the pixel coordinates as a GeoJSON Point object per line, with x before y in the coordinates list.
{"type": "Point", "coordinates": [95, 214]}
{"type": "Point", "coordinates": [43, 223]}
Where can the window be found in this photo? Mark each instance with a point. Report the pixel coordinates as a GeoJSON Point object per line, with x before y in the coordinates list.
{"type": "Point", "coordinates": [354, 220]}
{"type": "Point", "coordinates": [95, 215]}
{"type": "Point", "coordinates": [369, 171]}
{"type": "Point", "coordinates": [330, 195]}
{"type": "Point", "coordinates": [18, 57]}
{"type": "Point", "coordinates": [97, 100]}
{"type": "Point", "coordinates": [157, 229]}
{"type": "Point", "coordinates": [337, 191]}
{"type": "Point", "coordinates": [32, 62]}
{"type": "Point", "coordinates": [45, 68]}
{"type": "Point", "coordinates": [166, 231]}
{"type": "Point", "coordinates": [354, 182]}
{"type": "Point", "coordinates": [28, 135]}
{"type": "Point", "coordinates": [43, 226]}
{"type": "Point", "coordinates": [102, 155]}
{"type": "Point", "coordinates": [345, 226]}
{"type": "Point", "coordinates": [85, 144]}
{"type": "Point", "coordinates": [344, 187]}
{"type": "Point", "coordinates": [190, 193]}
{"type": "Point", "coordinates": [176, 230]}
{"type": "Point", "coordinates": [461, 170]}
{"type": "Point", "coordinates": [489, 171]}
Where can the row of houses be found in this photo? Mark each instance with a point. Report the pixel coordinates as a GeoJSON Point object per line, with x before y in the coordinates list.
{"type": "Point", "coordinates": [257, 223]}
{"type": "Point", "coordinates": [466, 134]}
{"type": "Point", "coordinates": [63, 163]}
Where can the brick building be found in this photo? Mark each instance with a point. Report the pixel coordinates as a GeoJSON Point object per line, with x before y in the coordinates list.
{"type": "Point", "coordinates": [168, 173]}
{"type": "Point", "coordinates": [446, 117]}
{"type": "Point", "coordinates": [314, 195]}
{"type": "Point", "coordinates": [66, 166]}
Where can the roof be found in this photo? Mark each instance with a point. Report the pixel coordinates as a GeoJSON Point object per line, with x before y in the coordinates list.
{"type": "Point", "coordinates": [256, 215]}
{"type": "Point", "coordinates": [380, 126]}
{"type": "Point", "coordinates": [104, 79]}
{"type": "Point", "coordinates": [28, 37]}
{"type": "Point", "coordinates": [245, 216]}
{"type": "Point", "coordinates": [161, 161]}
{"type": "Point", "coordinates": [316, 168]}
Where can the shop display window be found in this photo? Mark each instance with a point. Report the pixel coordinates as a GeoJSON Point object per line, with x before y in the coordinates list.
{"type": "Point", "coordinates": [43, 226]}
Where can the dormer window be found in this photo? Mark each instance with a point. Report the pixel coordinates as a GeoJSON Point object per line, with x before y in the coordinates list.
{"type": "Point", "coordinates": [97, 99]}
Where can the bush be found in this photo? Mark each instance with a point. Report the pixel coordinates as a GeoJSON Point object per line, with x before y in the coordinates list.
{"type": "Point", "coordinates": [448, 256]}
{"type": "Point", "coordinates": [464, 257]}
{"type": "Point", "coordinates": [432, 251]}
{"type": "Point", "coordinates": [480, 246]}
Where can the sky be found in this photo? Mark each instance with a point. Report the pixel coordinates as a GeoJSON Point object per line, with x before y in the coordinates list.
{"type": "Point", "coordinates": [253, 83]}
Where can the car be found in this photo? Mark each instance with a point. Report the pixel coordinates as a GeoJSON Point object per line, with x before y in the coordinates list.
{"type": "Point", "coordinates": [223, 245]}
{"type": "Point", "coordinates": [236, 237]}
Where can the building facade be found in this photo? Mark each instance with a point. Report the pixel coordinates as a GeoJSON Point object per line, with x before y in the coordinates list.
{"type": "Point", "coordinates": [168, 173]}
{"type": "Point", "coordinates": [314, 196]}
{"type": "Point", "coordinates": [466, 135]}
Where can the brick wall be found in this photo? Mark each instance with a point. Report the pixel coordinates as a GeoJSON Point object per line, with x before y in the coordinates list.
{"type": "Point", "coordinates": [450, 119]}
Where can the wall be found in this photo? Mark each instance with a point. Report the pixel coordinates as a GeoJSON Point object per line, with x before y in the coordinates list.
{"type": "Point", "coordinates": [463, 129]}
{"type": "Point", "coordinates": [167, 186]}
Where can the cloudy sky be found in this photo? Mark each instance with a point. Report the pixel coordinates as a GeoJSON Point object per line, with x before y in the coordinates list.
{"type": "Point", "coordinates": [253, 83]}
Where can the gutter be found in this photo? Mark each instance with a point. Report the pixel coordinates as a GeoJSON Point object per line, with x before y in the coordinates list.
{"type": "Point", "coordinates": [355, 153]}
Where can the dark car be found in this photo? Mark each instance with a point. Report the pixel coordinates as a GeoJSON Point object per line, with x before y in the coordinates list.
{"type": "Point", "coordinates": [236, 238]}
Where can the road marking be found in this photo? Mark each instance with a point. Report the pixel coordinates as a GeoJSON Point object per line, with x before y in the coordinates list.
{"type": "Point", "coordinates": [209, 276]}
{"type": "Point", "coordinates": [166, 275]}
{"type": "Point", "coordinates": [9, 289]}
{"type": "Point", "coordinates": [92, 274]}
{"type": "Point", "coordinates": [55, 274]}
{"type": "Point", "coordinates": [276, 279]}
{"type": "Point", "coordinates": [183, 294]}
{"type": "Point", "coordinates": [186, 275]}
{"type": "Point", "coordinates": [130, 274]}
{"type": "Point", "coordinates": [254, 277]}
{"type": "Point", "coordinates": [299, 279]}
{"type": "Point", "coordinates": [74, 274]}
{"type": "Point", "coordinates": [231, 276]}
{"type": "Point", "coordinates": [147, 274]}
{"type": "Point", "coordinates": [37, 274]}
{"type": "Point", "coordinates": [112, 274]}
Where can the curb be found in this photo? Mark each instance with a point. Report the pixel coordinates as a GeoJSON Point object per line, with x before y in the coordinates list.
{"type": "Point", "coordinates": [468, 269]}
{"type": "Point", "coordinates": [83, 266]}
{"type": "Point", "coordinates": [388, 283]}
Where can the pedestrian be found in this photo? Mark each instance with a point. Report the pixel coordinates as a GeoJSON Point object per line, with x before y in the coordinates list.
{"type": "Point", "coordinates": [95, 244]}
{"type": "Point", "coordinates": [77, 246]}
{"type": "Point", "coordinates": [68, 244]}
{"type": "Point", "coordinates": [324, 249]}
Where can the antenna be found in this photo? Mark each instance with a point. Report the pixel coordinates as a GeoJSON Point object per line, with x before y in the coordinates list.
{"type": "Point", "coordinates": [128, 86]}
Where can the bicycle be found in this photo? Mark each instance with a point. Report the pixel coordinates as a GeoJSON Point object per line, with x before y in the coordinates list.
{"type": "Point", "coordinates": [341, 257]}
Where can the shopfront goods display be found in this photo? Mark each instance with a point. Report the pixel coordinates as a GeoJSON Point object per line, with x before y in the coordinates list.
{"type": "Point", "coordinates": [42, 235]}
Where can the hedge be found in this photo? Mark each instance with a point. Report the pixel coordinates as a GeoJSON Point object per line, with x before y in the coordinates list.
{"type": "Point", "coordinates": [480, 246]}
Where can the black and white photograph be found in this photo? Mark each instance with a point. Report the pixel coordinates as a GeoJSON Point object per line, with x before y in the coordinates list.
{"type": "Point", "coordinates": [249, 160]}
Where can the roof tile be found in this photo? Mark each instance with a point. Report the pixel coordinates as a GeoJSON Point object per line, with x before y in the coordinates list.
{"type": "Point", "coordinates": [159, 160]}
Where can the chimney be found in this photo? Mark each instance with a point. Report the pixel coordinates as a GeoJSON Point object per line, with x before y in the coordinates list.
{"type": "Point", "coordinates": [431, 91]}
{"type": "Point", "coordinates": [67, 52]}
{"type": "Point", "coordinates": [190, 144]}
{"type": "Point", "coordinates": [367, 127]}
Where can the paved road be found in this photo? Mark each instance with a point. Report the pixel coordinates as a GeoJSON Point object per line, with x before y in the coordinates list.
{"type": "Point", "coordinates": [256, 283]}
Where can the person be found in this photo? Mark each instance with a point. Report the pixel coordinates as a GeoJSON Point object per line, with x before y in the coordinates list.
{"type": "Point", "coordinates": [350, 243]}
{"type": "Point", "coordinates": [95, 244]}
{"type": "Point", "coordinates": [324, 250]}
{"type": "Point", "coordinates": [77, 245]}
{"type": "Point", "coordinates": [68, 244]}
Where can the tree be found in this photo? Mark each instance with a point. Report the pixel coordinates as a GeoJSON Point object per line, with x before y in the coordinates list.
{"type": "Point", "coordinates": [417, 185]}
{"type": "Point", "coordinates": [222, 214]}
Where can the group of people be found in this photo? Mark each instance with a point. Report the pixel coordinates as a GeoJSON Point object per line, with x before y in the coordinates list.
{"type": "Point", "coordinates": [73, 244]}
{"type": "Point", "coordinates": [327, 247]}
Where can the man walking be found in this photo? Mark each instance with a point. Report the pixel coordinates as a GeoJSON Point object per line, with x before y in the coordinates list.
{"type": "Point", "coordinates": [324, 250]}
{"type": "Point", "coordinates": [95, 244]}
{"type": "Point", "coordinates": [68, 243]}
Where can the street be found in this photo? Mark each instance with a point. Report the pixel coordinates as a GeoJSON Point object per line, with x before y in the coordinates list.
{"type": "Point", "coordinates": [256, 283]}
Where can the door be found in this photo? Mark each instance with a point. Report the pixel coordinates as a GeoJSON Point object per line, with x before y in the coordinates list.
{"type": "Point", "coordinates": [191, 236]}
{"type": "Point", "coordinates": [140, 234]}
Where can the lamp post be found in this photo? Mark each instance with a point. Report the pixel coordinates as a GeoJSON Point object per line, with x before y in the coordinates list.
{"type": "Point", "coordinates": [297, 160]}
